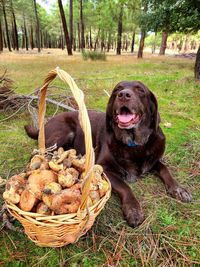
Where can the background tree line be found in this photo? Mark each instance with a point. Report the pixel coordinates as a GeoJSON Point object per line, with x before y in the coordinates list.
{"type": "Point", "coordinates": [99, 24]}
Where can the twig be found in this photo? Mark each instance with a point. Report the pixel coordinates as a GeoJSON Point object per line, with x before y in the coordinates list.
{"type": "Point", "coordinates": [47, 100]}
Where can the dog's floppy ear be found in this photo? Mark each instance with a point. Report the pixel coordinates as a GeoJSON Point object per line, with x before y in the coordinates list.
{"type": "Point", "coordinates": [109, 111]}
{"type": "Point", "coordinates": [154, 112]}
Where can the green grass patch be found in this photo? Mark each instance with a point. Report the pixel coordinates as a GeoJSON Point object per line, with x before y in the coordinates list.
{"type": "Point", "coordinates": [93, 55]}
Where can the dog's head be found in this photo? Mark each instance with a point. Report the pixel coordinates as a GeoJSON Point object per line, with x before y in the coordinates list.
{"type": "Point", "coordinates": [132, 110]}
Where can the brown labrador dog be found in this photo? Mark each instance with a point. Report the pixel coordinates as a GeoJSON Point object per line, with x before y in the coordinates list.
{"type": "Point", "coordinates": [127, 139]}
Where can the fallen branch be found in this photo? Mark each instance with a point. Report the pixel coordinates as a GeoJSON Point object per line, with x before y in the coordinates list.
{"type": "Point", "coordinates": [59, 104]}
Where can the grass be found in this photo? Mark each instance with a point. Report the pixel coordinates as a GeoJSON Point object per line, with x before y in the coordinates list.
{"type": "Point", "coordinates": [93, 55]}
{"type": "Point", "coordinates": [170, 235]}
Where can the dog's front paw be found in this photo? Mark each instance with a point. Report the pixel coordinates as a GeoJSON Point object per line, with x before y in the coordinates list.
{"type": "Point", "coordinates": [180, 193]}
{"type": "Point", "coordinates": [133, 216]}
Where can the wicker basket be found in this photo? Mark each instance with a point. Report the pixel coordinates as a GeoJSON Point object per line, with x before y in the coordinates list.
{"type": "Point", "coordinates": [60, 230]}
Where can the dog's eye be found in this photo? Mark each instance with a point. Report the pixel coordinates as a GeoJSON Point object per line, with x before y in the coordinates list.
{"type": "Point", "coordinates": [141, 90]}
{"type": "Point", "coordinates": [116, 90]}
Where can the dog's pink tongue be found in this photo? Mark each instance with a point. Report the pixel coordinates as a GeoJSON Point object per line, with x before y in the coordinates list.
{"type": "Point", "coordinates": [126, 117]}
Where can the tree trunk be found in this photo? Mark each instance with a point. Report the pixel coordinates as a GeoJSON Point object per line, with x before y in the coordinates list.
{"type": "Point", "coordinates": [133, 42]}
{"type": "Point", "coordinates": [141, 47]}
{"type": "Point", "coordinates": [197, 65]}
{"type": "Point", "coordinates": [79, 36]}
{"type": "Point", "coordinates": [102, 40]}
{"type": "Point", "coordinates": [1, 37]}
{"type": "Point", "coordinates": [14, 27]}
{"type": "Point", "coordinates": [4, 39]}
{"type": "Point", "coordinates": [82, 26]}
{"type": "Point", "coordinates": [87, 44]}
{"type": "Point", "coordinates": [119, 31]}
{"type": "Point", "coordinates": [97, 40]}
{"type": "Point", "coordinates": [23, 38]}
{"type": "Point", "coordinates": [25, 34]}
{"type": "Point", "coordinates": [61, 38]}
{"type": "Point", "coordinates": [31, 37]}
{"type": "Point", "coordinates": [13, 45]}
{"type": "Point", "coordinates": [91, 44]}
{"type": "Point", "coordinates": [126, 43]}
{"type": "Point", "coordinates": [184, 47]}
{"type": "Point", "coordinates": [109, 42]}
{"type": "Point", "coordinates": [154, 44]}
{"type": "Point", "coordinates": [163, 43]}
{"type": "Point", "coordinates": [74, 39]}
{"type": "Point", "coordinates": [65, 29]}
{"type": "Point", "coordinates": [6, 26]}
{"type": "Point", "coordinates": [71, 21]}
{"type": "Point", "coordinates": [37, 27]}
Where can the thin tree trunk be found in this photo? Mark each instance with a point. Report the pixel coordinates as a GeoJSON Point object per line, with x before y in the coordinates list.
{"type": "Point", "coordinates": [79, 37]}
{"type": "Point", "coordinates": [14, 27]}
{"type": "Point", "coordinates": [91, 44]}
{"type": "Point", "coordinates": [4, 39]}
{"type": "Point", "coordinates": [23, 38]}
{"type": "Point", "coordinates": [82, 26]}
{"type": "Point", "coordinates": [126, 43]}
{"type": "Point", "coordinates": [109, 42]}
{"type": "Point", "coordinates": [133, 42]}
{"type": "Point", "coordinates": [119, 31]}
{"type": "Point", "coordinates": [102, 40]}
{"type": "Point", "coordinates": [141, 47]}
{"type": "Point", "coordinates": [97, 40]}
{"type": "Point", "coordinates": [41, 39]}
{"type": "Point", "coordinates": [71, 21]}
{"type": "Point", "coordinates": [13, 37]}
{"type": "Point", "coordinates": [61, 38]}
{"type": "Point", "coordinates": [154, 44]}
{"type": "Point", "coordinates": [184, 47]}
{"type": "Point", "coordinates": [37, 27]}
{"type": "Point", "coordinates": [1, 37]}
{"type": "Point", "coordinates": [74, 41]}
{"type": "Point", "coordinates": [6, 26]}
{"type": "Point", "coordinates": [163, 45]}
{"type": "Point", "coordinates": [25, 34]}
{"type": "Point", "coordinates": [31, 38]}
{"type": "Point", "coordinates": [65, 29]}
{"type": "Point", "coordinates": [197, 65]}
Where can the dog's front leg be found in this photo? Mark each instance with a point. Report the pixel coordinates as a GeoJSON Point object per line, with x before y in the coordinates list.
{"type": "Point", "coordinates": [171, 185]}
{"type": "Point", "coordinates": [130, 206]}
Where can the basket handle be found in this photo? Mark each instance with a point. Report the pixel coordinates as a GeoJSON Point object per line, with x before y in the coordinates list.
{"type": "Point", "coordinates": [84, 122]}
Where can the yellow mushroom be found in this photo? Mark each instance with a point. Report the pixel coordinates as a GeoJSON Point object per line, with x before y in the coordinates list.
{"type": "Point", "coordinates": [27, 200]}
{"type": "Point", "coordinates": [36, 161]}
{"type": "Point", "coordinates": [14, 187]}
{"type": "Point", "coordinates": [67, 201]}
{"type": "Point", "coordinates": [103, 188]}
{"type": "Point", "coordinates": [94, 195]}
{"type": "Point", "coordinates": [49, 191]}
{"type": "Point", "coordinates": [11, 196]}
{"type": "Point", "coordinates": [38, 180]}
{"type": "Point", "coordinates": [68, 177]}
{"type": "Point", "coordinates": [71, 153]}
{"type": "Point", "coordinates": [55, 167]}
{"type": "Point", "coordinates": [42, 208]}
{"type": "Point", "coordinates": [79, 164]}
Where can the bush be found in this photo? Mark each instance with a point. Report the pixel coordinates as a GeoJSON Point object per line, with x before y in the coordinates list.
{"type": "Point", "coordinates": [93, 55]}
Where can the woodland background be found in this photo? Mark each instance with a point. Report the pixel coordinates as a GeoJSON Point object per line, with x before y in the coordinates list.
{"type": "Point", "coordinates": [105, 25]}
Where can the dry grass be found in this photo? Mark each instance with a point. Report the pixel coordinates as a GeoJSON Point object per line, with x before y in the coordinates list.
{"type": "Point", "coordinates": [170, 235]}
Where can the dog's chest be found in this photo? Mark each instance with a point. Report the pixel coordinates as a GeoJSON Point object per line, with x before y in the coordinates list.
{"type": "Point", "coordinates": [132, 161]}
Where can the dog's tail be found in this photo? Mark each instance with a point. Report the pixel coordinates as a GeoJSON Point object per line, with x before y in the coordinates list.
{"type": "Point", "coordinates": [31, 131]}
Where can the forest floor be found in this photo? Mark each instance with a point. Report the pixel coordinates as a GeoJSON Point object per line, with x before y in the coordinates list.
{"type": "Point", "coordinates": [170, 234]}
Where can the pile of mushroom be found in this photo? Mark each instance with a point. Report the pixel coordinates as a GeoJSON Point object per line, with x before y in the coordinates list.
{"type": "Point", "coordinates": [53, 184]}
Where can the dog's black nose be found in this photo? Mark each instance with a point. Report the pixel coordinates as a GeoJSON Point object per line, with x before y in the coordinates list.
{"type": "Point", "coordinates": [125, 94]}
